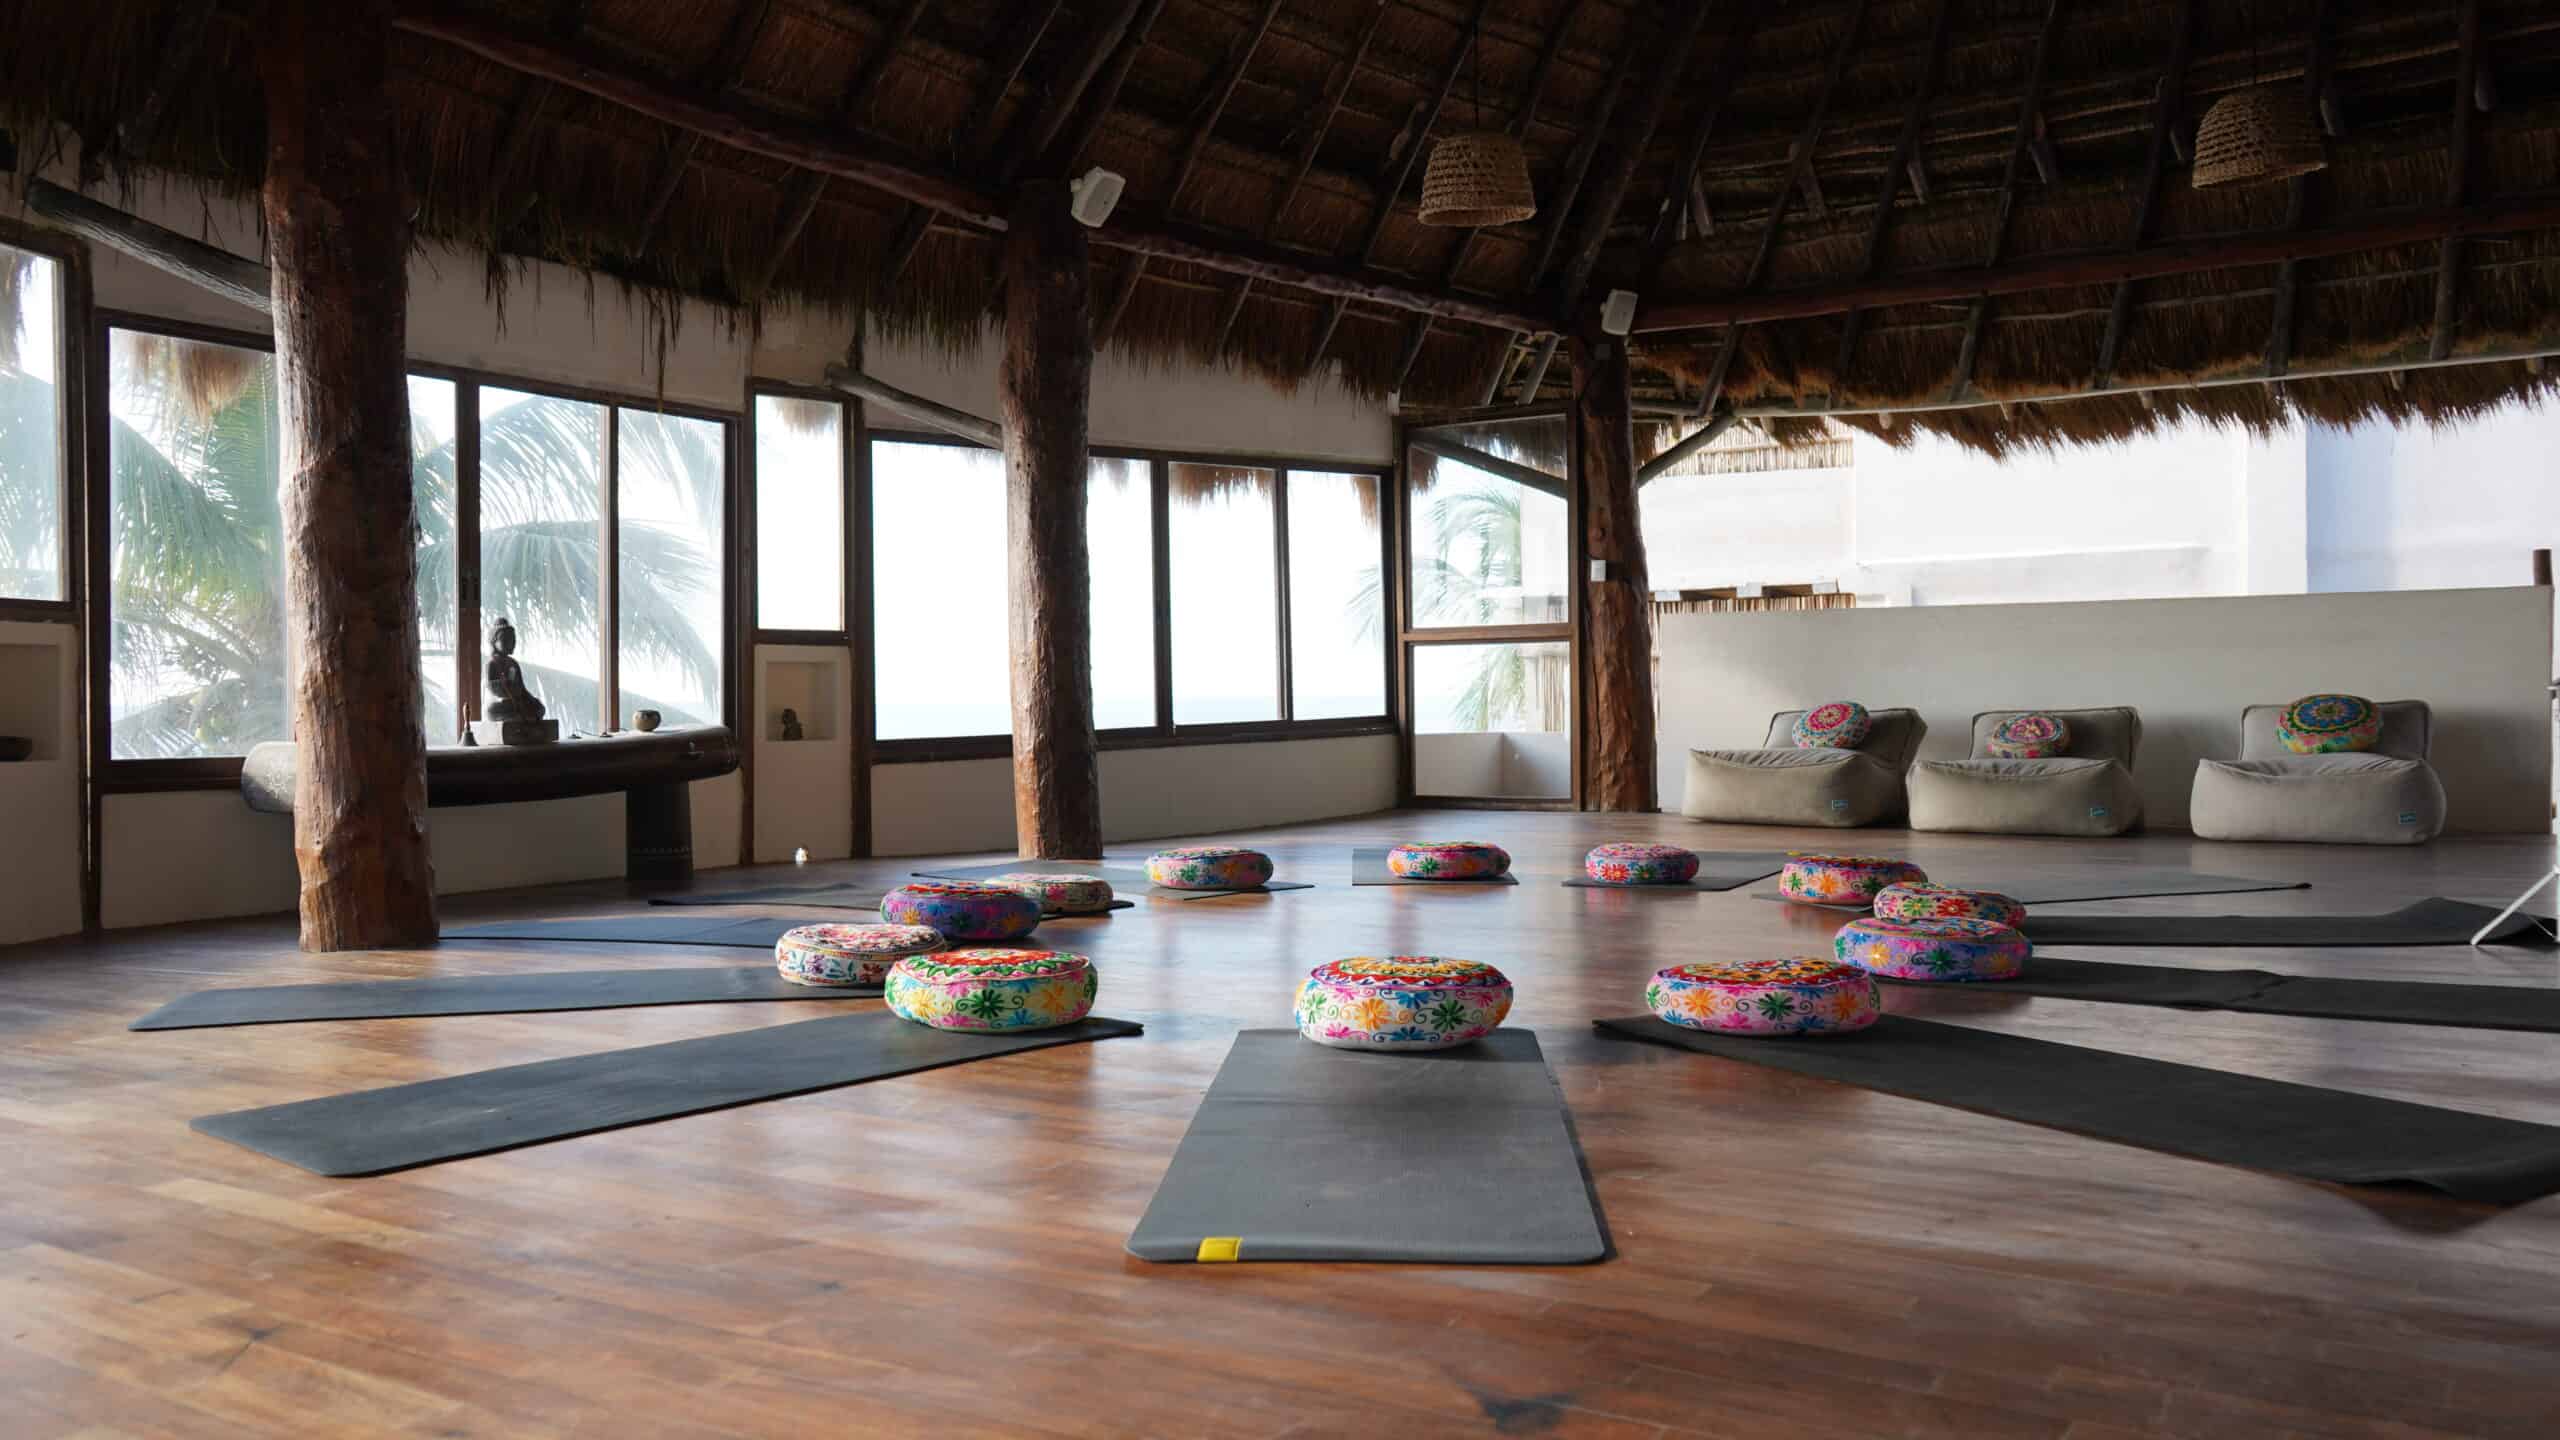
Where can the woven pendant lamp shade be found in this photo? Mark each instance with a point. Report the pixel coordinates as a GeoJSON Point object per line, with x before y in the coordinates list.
{"type": "Point", "coordinates": [2258, 136]}
{"type": "Point", "coordinates": [1476, 179]}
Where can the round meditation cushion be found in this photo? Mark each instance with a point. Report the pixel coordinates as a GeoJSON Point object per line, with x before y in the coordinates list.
{"type": "Point", "coordinates": [1628, 862]}
{"type": "Point", "coordinates": [1843, 879]}
{"type": "Point", "coordinates": [1839, 725]}
{"type": "Point", "coordinates": [849, 954]}
{"type": "Point", "coordinates": [1060, 892]}
{"type": "Point", "coordinates": [1932, 949]}
{"type": "Point", "coordinates": [962, 909]}
{"type": "Point", "coordinates": [1801, 995]}
{"type": "Point", "coordinates": [1944, 902]}
{"type": "Point", "coordinates": [992, 989]}
{"type": "Point", "coordinates": [2325, 724]}
{"type": "Point", "coordinates": [1401, 1002]}
{"type": "Point", "coordinates": [2034, 736]}
{"type": "Point", "coordinates": [1209, 867]}
{"type": "Point", "coordinates": [1448, 860]}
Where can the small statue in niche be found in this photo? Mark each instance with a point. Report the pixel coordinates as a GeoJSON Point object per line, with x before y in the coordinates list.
{"type": "Point", "coordinates": [515, 714]}
{"type": "Point", "coordinates": [791, 724]}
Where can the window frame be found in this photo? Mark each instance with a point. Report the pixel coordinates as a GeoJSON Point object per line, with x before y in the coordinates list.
{"type": "Point", "coordinates": [1163, 733]}
{"type": "Point", "coordinates": [115, 776]}
{"type": "Point", "coordinates": [71, 429]}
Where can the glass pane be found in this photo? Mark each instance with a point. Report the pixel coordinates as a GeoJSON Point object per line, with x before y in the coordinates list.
{"type": "Point", "coordinates": [799, 513]}
{"type": "Point", "coordinates": [1337, 608]}
{"type": "Point", "coordinates": [541, 545]}
{"type": "Point", "coordinates": [1226, 595]}
{"type": "Point", "coordinates": [30, 427]}
{"type": "Point", "coordinates": [196, 549]}
{"type": "Point", "coordinates": [431, 430]}
{"type": "Point", "coordinates": [939, 648]}
{"type": "Point", "coordinates": [1120, 538]}
{"type": "Point", "coordinates": [667, 565]}
{"type": "Point", "coordinates": [1493, 720]}
{"type": "Point", "coordinates": [1489, 545]}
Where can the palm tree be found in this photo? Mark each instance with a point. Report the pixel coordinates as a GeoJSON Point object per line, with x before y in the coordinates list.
{"type": "Point", "coordinates": [1473, 575]}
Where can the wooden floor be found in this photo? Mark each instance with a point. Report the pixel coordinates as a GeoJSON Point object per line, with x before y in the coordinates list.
{"type": "Point", "coordinates": [941, 1253]}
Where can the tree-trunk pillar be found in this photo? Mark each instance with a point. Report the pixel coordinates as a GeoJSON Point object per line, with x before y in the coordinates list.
{"type": "Point", "coordinates": [338, 233]}
{"type": "Point", "coordinates": [1047, 383]}
{"type": "Point", "coordinates": [1618, 753]}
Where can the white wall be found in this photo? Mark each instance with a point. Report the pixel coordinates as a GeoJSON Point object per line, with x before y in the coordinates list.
{"type": "Point", "coordinates": [2188, 665]}
{"type": "Point", "coordinates": [2410, 508]}
{"type": "Point", "coordinates": [40, 836]}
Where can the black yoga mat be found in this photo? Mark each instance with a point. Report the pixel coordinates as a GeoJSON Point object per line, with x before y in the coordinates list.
{"type": "Point", "coordinates": [1718, 871]}
{"type": "Point", "coordinates": [2263, 992]}
{"type": "Point", "coordinates": [2272, 1125]}
{"type": "Point", "coordinates": [1124, 880]}
{"type": "Point", "coordinates": [486, 995]}
{"type": "Point", "coordinates": [752, 932]}
{"type": "Point", "coordinates": [2435, 921]}
{"type": "Point", "coordinates": [1302, 1152]}
{"type": "Point", "coordinates": [370, 1132]}
{"type": "Point", "coordinates": [1369, 867]}
{"type": "Point", "coordinates": [2126, 882]}
{"type": "Point", "coordinates": [822, 897]}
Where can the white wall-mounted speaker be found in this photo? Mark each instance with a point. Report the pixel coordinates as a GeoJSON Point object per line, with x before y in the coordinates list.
{"type": "Point", "coordinates": [1093, 195]}
{"type": "Point", "coordinates": [1618, 312]}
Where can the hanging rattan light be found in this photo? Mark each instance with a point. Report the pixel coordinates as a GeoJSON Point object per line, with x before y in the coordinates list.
{"type": "Point", "coordinates": [2258, 136]}
{"type": "Point", "coordinates": [1476, 179]}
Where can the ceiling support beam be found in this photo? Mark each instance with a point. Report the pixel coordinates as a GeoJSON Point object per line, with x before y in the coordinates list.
{"type": "Point", "coordinates": [1687, 190]}
{"type": "Point", "coordinates": [2166, 117]}
{"type": "Point", "coordinates": [1906, 158]}
{"type": "Point", "coordinates": [1036, 129]}
{"type": "Point", "coordinates": [2457, 185]}
{"type": "Point", "coordinates": [1105, 95]}
{"type": "Point", "coordinates": [1695, 441]}
{"type": "Point", "coordinates": [516, 132]}
{"type": "Point", "coordinates": [2297, 200]}
{"type": "Point", "coordinates": [798, 143]}
{"type": "Point", "coordinates": [809, 188]}
{"type": "Point", "coordinates": [735, 46]}
{"type": "Point", "coordinates": [2030, 113]}
{"type": "Point", "coordinates": [915, 220]}
{"type": "Point", "coordinates": [1221, 90]}
{"type": "Point", "coordinates": [1619, 757]}
{"type": "Point", "coordinates": [950, 420]}
{"type": "Point", "coordinates": [1491, 464]}
{"type": "Point", "coordinates": [235, 278]}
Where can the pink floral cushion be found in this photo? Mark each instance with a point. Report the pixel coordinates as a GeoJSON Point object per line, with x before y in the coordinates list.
{"type": "Point", "coordinates": [1932, 949]}
{"type": "Point", "coordinates": [2329, 724]}
{"type": "Point", "coordinates": [1626, 862]}
{"type": "Point", "coordinates": [1401, 1002]}
{"type": "Point", "coordinates": [1796, 996]}
{"type": "Point", "coordinates": [1940, 902]}
{"type": "Point", "coordinates": [1838, 725]}
{"type": "Point", "coordinates": [849, 954]}
{"type": "Point", "coordinates": [1448, 860]}
{"type": "Point", "coordinates": [2035, 736]}
{"type": "Point", "coordinates": [1060, 892]}
{"type": "Point", "coordinates": [1843, 879]}
{"type": "Point", "coordinates": [1209, 867]}
{"type": "Point", "coordinates": [993, 989]}
{"type": "Point", "coordinates": [962, 909]}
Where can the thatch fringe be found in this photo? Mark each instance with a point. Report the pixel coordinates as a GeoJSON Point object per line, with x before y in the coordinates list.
{"type": "Point", "coordinates": [205, 378]}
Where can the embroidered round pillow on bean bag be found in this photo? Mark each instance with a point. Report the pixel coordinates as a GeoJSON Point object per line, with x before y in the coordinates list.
{"type": "Point", "coordinates": [962, 909]}
{"type": "Point", "coordinates": [849, 954]}
{"type": "Point", "coordinates": [1932, 949]}
{"type": "Point", "coordinates": [1839, 725]}
{"type": "Point", "coordinates": [1628, 862]}
{"type": "Point", "coordinates": [1448, 860]}
{"type": "Point", "coordinates": [993, 989]}
{"type": "Point", "coordinates": [2033, 736]}
{"type": "Point", "coordinates": [1060, 892]}
{"type": "Point", "coordinates": [1401, 1002]}
{"type": "Point", "coordinates": [2327, 724]}
{"type": "Point", "coordinates": [1843, 879]}
{"type": "Point", "coordinates": [1800, 995]}
{"type": "Point", "coordinates": [1944, 902]}
{"type": "Point", "coordinates": [1209, 867]}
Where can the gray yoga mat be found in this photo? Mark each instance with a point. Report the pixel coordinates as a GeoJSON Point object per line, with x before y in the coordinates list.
{"type": "Point", "coordinates": [1718, 872]}
{"type": "Point", "coordinates": [2125, 882]}
{"type": "Point", "coordinates": [2273, 1125]}
{"type": "Point", "coordinates": [371, 1132]}
{"type": "Point", "coordinates": [2435, 921]}
{"type": "Point", "coordinates": [1124, 880]}
{"type": "Point", "coordinates": [1303, 1152]}
{"type": "Point", "coordinates": [822, 897]}
{"type": "Point", "coordinates": [486, 995]}
{"type": "Point", "coordinates": [1369, 867]}
{"type": "Point", "coordinates": [2263, 992]}
{"type": "Point", "coordinates": [752, 932]}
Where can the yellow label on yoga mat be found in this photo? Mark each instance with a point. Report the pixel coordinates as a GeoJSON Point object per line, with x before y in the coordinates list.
{"type": "Point", "coordinates": [1220, 1247]}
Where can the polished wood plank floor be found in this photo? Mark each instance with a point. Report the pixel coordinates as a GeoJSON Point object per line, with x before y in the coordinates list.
{"type": "Point", "coordinates": [941, 1253]}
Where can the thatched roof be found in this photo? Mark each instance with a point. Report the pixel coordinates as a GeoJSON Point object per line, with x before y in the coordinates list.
{"type": "Point", "coordinates": [1243, 113]}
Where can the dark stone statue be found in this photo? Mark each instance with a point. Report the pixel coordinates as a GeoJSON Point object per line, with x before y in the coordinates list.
{"type": "Point", "coordinates": [790, 724]}
{"type": "Point", "coordinates": [507, 699]}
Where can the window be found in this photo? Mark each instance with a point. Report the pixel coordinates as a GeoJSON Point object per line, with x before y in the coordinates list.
{"type": "Point", "coordinates": [1120, 531]}
{"type": "Point", "coordinates": [799, 513]}
{"type": "Point", "coordinates": [1337, 607]}
{"type": "Point", "coordinates": [542, 544]}
{"type": "Point", "coordinates": [940, 647]}
{"type": "Point", "coordinates": [668, 529]}
{"type": "Point", "coordinates": [432, 432]}
{"type": "Point", "coordinates": [1493, 721]}
{"type": "Point", "coordinates": [31, 486]}
{"type": "Point", "coordinates": [1489, 524]}
{"type": "Point", "coordinates": [1226, 594]}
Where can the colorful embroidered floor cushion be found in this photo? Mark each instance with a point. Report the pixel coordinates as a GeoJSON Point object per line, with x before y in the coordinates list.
{"type": "Point", "coordinates": [2327, 724]}
{"type": "Point", "coordinates": [1060, 892]}
{"type": "Point", "coordinates": [2028, 737]}
{"type": "Point", "coordinates": [849, 954]}
{"type": "Point", "coordinates": [1932, 949]}
{"type": "Point", "coordinates": [962, 909]}
{"type": "Point", "coordinates": [993, 989]}
{"type": "Point", "coordinates": [1448, 860]}
{"type": "Point", "coordinates": [1628, 862]}
{"type": "Point", "coordinates": [1843, 879]}
{"type": "Point", "coordinates": [1840, 725]}
{"type": "Point", "coordinates": [1401, 1002]}
{"type": "Point", "coordinates": [1941, 902]}
{"type": "Point", "coordinates": [1209, 867]}
{"type": "Point", "coordinates": [1801, 995]}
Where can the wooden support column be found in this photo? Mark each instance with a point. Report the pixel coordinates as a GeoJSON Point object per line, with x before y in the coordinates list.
{"type": "Point", "coordinates": [338, 230]}
{"type": "Point", "coordinates": [1618, 753]}
{"type": "Point", "coordinates": [1046, 384]}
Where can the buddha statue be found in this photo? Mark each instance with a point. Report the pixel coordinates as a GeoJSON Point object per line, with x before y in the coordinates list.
{"type": "Point", "coordinates": [504, 695]}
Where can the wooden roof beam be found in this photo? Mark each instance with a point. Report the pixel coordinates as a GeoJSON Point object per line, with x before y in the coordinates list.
{"type": "Point", "coordinates": [810, 188]}
{"type": "Point", "coordinates": [2297, 201]}
{"type": "Point", "coordinates": [736, 44]}
{"type": "Point", "coordinates": [2457, 184]}
{"type": "Point", "coordinates": [516, 132]}
{"type": "Point", "coordinates": [1037, 129]}
{"type": "Point", "coordinates": [1577, 168]}
{"type": "Point", "coordinates": [2030, 103]}
{"type": "Point", "coordinates": [1906, 152]}
{"type": "Point", "coordinates": [1105, 95]}
{"type": "Point", "coordinates": [916, 220]}
{"type": "Point", "coordinates": [1687, 192]}
{"type": "Point", "coordinates": [2166, 121]}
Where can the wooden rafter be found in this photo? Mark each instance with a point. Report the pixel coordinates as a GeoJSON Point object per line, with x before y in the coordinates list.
{"type": "Point", "coordinates": [516, 132]}
{"type": "Point", "coordinates": [2030, 106]}
{"type": "Point", "coordinates": [1040, 126]}
{"type": "Point", "coordinates": [916, 220]}
{"type": "Point", "coordinates": [809, 188]}
{"type": "Point", "coordinates": [1221, 90]}
{"type": "Point", "coordinates": [1906, 157]}
{"type": "Point", "coordinates": [180, 44]}
{"type": "Point", "coordinates": [716, 76]}
{"type": "Point", "coordinates": [2467, 99]}
{"type": "Point", "coordinates": [2297, 201]}
{"type": "Point", "coordinates": [2167, 117]}
{"type": "Point", "coordinates": [1104, 96]}
{"type": "Point", "coordinates": [1687, 190]}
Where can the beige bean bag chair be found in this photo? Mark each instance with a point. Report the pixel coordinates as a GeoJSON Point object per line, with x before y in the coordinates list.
{"type": "Point", "coordinates": [2086, 790]}
{"type": "Point", "coordinates": [1779, 784]}
{"type": "Point", "coordinates": [2387, 795]}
